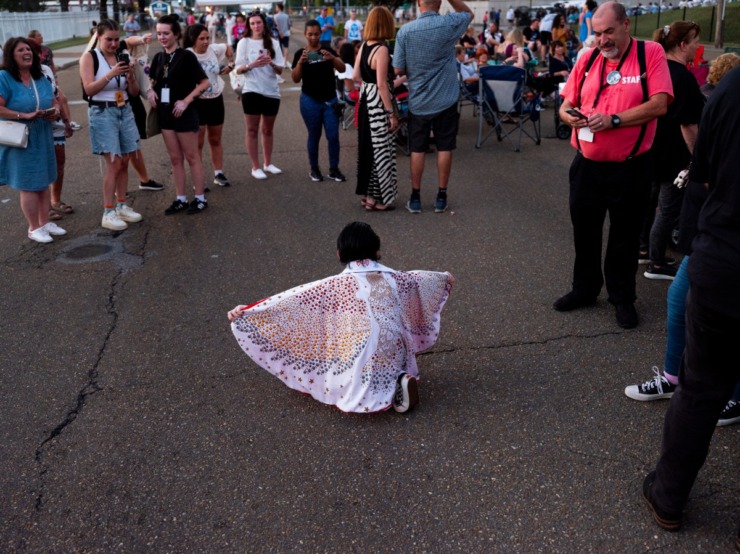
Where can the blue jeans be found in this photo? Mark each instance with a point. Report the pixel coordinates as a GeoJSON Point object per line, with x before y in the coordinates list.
{"type": "Point", "coordinates": [315, 115]}
{"type": "Point", "coordinates": [676, 319]}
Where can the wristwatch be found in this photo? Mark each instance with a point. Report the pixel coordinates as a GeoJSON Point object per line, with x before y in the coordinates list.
{"type": "Point", "coordinates": [616, 121]}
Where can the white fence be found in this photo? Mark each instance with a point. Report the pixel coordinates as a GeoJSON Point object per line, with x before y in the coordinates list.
{"type": "Point", "coordinates": [53, 26]}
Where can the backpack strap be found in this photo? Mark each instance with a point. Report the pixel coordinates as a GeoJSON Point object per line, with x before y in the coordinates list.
{"type": "Point", "coordinates": [643, 82]}
{"type": "Point", "coordinates": [96, 66]}
{"type": "Point", "coordinates": [591, 60]}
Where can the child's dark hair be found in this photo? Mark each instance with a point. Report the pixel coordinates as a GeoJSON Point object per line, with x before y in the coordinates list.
{"type": "Point", "coordinates": [358, 241]}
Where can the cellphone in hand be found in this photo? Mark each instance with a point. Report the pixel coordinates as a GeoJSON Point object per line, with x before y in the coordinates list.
{"type": "Point", "coordinates": [124, 57]}
{"type": "Point", "coordinates": [314, 56]}
{"type": "Point", "coordinates": [48, 111]}
{"type": "Point", "coordinates": [575, 113]}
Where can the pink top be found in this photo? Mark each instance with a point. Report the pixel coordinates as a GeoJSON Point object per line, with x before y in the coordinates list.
{"type": "Point", "coordinates": [616, 144]}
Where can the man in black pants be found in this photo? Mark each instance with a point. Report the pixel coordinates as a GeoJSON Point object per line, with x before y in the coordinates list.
{"type": "Point", "coordinates": [709, 367]}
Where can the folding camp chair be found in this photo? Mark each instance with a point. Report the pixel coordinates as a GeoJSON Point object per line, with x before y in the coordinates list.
{"type": "Point", "coordinates": [348, 105]}
{"type": "Point", "coordinates": [467, 98]}
{"type": "Point", "coordinates": [504, 101]}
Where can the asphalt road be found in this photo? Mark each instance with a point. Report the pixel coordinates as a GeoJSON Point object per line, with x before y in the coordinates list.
{"type": "Point", "coordinates": [132, 421]}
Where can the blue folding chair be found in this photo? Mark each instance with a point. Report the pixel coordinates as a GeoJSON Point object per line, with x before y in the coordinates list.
{"type": "Point", "coordinates": [506, 105]}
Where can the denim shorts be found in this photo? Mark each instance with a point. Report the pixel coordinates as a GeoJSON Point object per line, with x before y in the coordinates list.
{"type": "Point", "coordinates": [113, 130]}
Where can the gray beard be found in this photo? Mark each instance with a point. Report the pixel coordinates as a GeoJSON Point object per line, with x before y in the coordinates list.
{"type": "Point", "coordinates": [611, 54]}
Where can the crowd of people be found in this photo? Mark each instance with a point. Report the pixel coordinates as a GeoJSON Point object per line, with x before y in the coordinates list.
{"type": "Point", "coordinates": [639, 123]}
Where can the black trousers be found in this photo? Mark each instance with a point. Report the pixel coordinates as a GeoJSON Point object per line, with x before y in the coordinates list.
{"type": "Point", "coordinates": [620, 189]}
{"type": "Point", "coordinates": [706, 379]}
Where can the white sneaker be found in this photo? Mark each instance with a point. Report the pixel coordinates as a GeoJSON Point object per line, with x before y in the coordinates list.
{"type": "Point", "coordinates": [126, 213]}
{"type": "Point", "coordinates": [258, 174]}
{"type": "Point", "coordinates": [40, 235]}
{"type": "Point", "coordinates": [272, 169]}
{"type": "Point", "coordinates": [75, 126]}
{"type": "Point", "coordinates": [280, 80]}
{"type": "Point", "coordinates": [54, 229]}
{"type": "Point", "coordinates": [113, 222]}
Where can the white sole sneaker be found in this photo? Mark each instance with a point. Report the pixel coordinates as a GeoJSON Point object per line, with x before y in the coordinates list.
{"type": "Point", "coordinates": [40, 235]}
{"type": "Point", "coordinates": [259, 174]}
{"type": "Point", "coordinates": [54, 229]}
{"type": "Point", "coordinates": [272, 169]}
{"type": "Point", "coordinates": [113, 223]}
{"type": "Point", "coordinates": [408, 393]}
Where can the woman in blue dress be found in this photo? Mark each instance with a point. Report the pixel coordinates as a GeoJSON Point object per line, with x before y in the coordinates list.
{"type": "Point", "coordinates": [26, 96]}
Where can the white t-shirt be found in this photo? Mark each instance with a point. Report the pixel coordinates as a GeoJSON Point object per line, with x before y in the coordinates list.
{"type": "Point", "coordinates": [211, 62]}
{"type": "Point", "coordinates": [354, 29]}
{"type": "Point", "coordinates": [212, 20]}
{"type": "Point", "coordinates": [229, 25]}
{"type": "Point", "coordinates": [262, 80]}
{"type": "Point", "coordinates": [546, 23]}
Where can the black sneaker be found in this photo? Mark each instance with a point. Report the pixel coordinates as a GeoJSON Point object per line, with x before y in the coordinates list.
{"type": "Point", "coordinates": [336, 175]}
{"type": "Point", "coordinates": [656, 388]}
{"type": "Point", "coordinates": [730, 415]}
{"type": "Point", "coordinates": [176, 207]}
{"type": "Point", "coordinates": [221, 180]}
{"type": "Point", "coordinates": [197, 206]}
{"type": "Point", "coordinates": [572, 301]}
{"type": "Point", "coordinates": [407, 393]}
{"type": "Point", "coordinates": [316, 175]}
{"type": "Point", "coordinates": [665, 272]}
{"type": "Point", "coordinates": [151, 185]}
{"type": "Point", "coordinates": [669, 522]}
{"type": "Point", "coordinates": [626, 316]}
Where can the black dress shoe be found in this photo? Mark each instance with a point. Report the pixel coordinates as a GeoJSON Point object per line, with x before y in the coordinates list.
{"type": "Point", "coordinates": [669, 522]}
{"type": "Point", "coordinates": [626, 316]}
{"type": "Point", "coordinates": [573, 301]}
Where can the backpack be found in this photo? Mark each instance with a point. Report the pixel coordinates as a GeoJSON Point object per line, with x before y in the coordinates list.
{"type": "Point", "coordinates": [96, 65]}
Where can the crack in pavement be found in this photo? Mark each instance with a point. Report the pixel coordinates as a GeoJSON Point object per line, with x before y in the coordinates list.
{"type": "Point", "coordinates": [452, 349]}
{"type": "Point", "coordinates": [90, 388]}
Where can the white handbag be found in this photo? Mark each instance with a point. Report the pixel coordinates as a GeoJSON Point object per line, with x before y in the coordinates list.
{"type": "Point", "coordinates": [15, 133]}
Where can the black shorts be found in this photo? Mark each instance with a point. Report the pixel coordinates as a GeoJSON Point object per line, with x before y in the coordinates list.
{"type": "Point", "coordinates": [186, 123]}
{"type": "Point", "coordinates": [545, 38]}
{"type": "Point", "coordinates": [285, 42]}
{"type": "Point", "coordinates": [444, 124]}
{"type": "Point", "coordinates": [256, 104]}
{"type": "Point", "coordinates": [211, 111]}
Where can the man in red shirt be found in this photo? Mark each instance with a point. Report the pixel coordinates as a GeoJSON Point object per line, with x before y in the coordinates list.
{"type": "Point", "coordinates": [614, 126]}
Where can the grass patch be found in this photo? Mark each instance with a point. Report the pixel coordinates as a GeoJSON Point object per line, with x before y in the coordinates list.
{"type": "Point", "coordinates": [643, 25]}
{"type": "Point", "coordinates": [69, 42]}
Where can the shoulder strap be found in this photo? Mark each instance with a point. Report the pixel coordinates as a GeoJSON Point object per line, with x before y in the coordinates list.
{"type": "Point", "coordinates": [591, 60]}
{"type": "Point", "coordinates": [96, 66]}
{"type": "Point", "coordinates": [96, 62]}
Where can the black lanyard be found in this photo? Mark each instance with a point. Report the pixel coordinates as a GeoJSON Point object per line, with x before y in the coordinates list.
{"type": "Point", "coordinates": [117, 77]}
{"type": "Point", "coordinates": [605, 84]}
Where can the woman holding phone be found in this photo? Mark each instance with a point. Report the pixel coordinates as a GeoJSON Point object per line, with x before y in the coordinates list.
{"type": "Point", "coordinates": [113, 132]}
{"type": "Point", "coordinates": [313, 67]}
{"type": "Point", "coordinates": [259, 58]}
